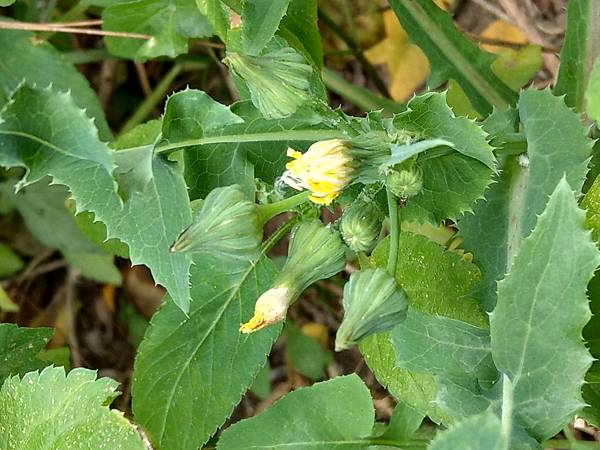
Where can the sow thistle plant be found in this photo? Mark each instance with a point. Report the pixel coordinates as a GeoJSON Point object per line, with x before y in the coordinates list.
{"type": "Point", "coordinates": [494, 348]}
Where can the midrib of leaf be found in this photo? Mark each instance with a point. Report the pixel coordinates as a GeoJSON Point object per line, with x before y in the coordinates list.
{"type": "Point", "coordinates": [234, 293]}
{"type": "Point", "coordinates": [291, 135]}
{"type": "Point", "coordinates": [43, 142]}
{"type": "Point", "coordinates": [463, 65]}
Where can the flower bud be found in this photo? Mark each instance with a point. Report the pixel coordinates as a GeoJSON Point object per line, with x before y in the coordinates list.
{"type": "Point", "coordinates": [277, 79]}
{"type": "Point", "coordinates": [373, 302]}
{"type": "Point", "coordinates": [226, 224]}
{"type": "Point", "coordinates": [315, 252]}
{"type": "Point", "coordinates": [405, 183]}
{"type": "Point", "coordinates": [361, 225]}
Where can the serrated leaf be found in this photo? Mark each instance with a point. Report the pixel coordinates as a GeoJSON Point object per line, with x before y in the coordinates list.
{"type": "Point", "coordinates": [169, 23]}
{"type": "Point", "coordinates": [345, 418]}
{"type": "Point", "coordinates": [51, 410]}
{"type": "Point", "coordinates": [508, 214]}
{"type": "Point", "coordinates": [22, 57]}
{"type": "Point", "coordinates": [483, 432]}
{"type": "Point", "coordinates": [45, 132]}
{"type": "Point", "coordinates": [19, 348]}
{"type": "Point", "coordinates": [579, 51]}
{"type": "Point", "coordinates": [451, 183]}
{"type": "Point", "coordinates": [546, 287]}
{"type": "Point", "coordinates": [43, 209]}
{"type": "Point", "coordinates": [260, 21]}
{"type": "Point", "coordinates": [445, 347]}
{"type": "Point", "coordinates": [451, 55]}
{"type": "Point", "coordinates": [437, 282]}
{"type": "Point", "coordinates": [194, 369]}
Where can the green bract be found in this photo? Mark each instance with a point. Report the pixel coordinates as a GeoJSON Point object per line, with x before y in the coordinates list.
{"type": "Point", "coordinates": [361, 225]}
{"type": "Point", "coordinates": [277, 80]}
{"type": "Point", "coordinates": [405, 183]}
{"type": "Point", "coordinates": [373, 303]}
{"type": "Point", "coordinates": [227, 224]}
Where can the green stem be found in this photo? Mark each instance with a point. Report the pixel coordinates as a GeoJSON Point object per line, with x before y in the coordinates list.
{"type": "Point", "coordinates": [268, 211]}
{"type": "Point", "coordinates": [288, 135]}
{"type": "Point", "coordinates": [87, 56]}
{"type": "Point", "coordinates": [152, 100]}
{"type": "Point", "coordinates": [277, 235]}
{"type": "Point", "coordinates": [394, 233]}
{"type": "Point", "coordinates": [358, 95]}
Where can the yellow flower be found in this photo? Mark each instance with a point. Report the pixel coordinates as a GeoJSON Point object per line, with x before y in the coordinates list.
{"type": "Point", "coordinates": [270, 308]}
{"type": "Point", "coordinates": [325, 169]}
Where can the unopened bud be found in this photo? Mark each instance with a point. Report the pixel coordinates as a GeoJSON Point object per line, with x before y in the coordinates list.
{"type": "Point", "coordinates": [361, 225]}
{"type": "Point", "coordinates": [227, 224]}
{"type": "Point", "coordinates": [373, 302]}
{"type": "Point", "coordinates": [405, 183]}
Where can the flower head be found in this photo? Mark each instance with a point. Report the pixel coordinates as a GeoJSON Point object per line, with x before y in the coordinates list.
{"type": "Point", "coordinates": [226, 224]}
{"type": "Point", "coordinates": [315, 252]}
{"type": "Point", "coordinates": [373, 302]}
{"type": "Point", "coordinates": [278, 79]}
{"type": "Point", "coordinates": [325, 169]}
{"type": "Point", "coordinates": [361, 225]}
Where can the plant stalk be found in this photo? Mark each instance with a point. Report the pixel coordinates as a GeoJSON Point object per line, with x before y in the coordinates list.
{"type": "Point", "coordinates": [270, 210]}
{"type": "Point", "coordinates": [394, 233]}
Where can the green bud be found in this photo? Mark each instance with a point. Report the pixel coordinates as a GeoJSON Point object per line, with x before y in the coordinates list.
{"type": "Point", "coordinates": [227, 224]}
{"type": "Point", "coordinates": [277, 79]}
{"type": "Point", "coordinates": [405, 183]}
{"type": "Point", "coordinates": [315, 252]}
{"type": "Point", "coordinates": [373, 303]}
{"type": "Point", "coordinates": [361, 225]}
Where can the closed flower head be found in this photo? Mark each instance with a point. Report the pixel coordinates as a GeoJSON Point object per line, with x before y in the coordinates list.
{"type": "Point", "coordinates": [315, 252]}
{"type": "Point", "coordinates": [227, 224]}
{"type": "Point", "coordinates": [325, 169]}
{"type": "Point", "coordinates": [373, 303]}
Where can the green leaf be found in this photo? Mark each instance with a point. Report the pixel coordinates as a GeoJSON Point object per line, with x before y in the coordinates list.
{"type": "Point", "coordinates": [437, 282]}
{"type": "Point", "coordinates": [6, 2]}
{"type": "Point", "coordinates": [579, 51]}
{"type": "Point", "coordinates": [170, 23]}
{"type": "Point", "coordinates": [495, 229]}
{"type": "Point", "coordinates": [261, 387]}
{"type": "Point", "coordinates": [45, 132]}
{"type": "Point", "coordinates": [300, 28]}
{"type": "Point", "coordinates": [546, 290]}
{"type": "Point", "coordinates": [591, 395]}
{"type": "Point", "coordinates": [6, 304]}
{"type": "Point", "coordinates": [517, 67]}
{"type": "Point", "coordinates": [404, 422]}
{"type": "Point", "coordinates": [19, 348]}
{"type": "Point", "coordinates": [445, 347]}
{"type": "Point", "coordinates": [592, 93]}
{"type": "Point", "coordinates": [217, 16]}
{"type": "Point", "coordinates": [10, 263]}
{"type": "Point", "coordinates": [451, 183]}
{"type": "Point", "coordinates": [482, 432]}
{"type": "Point", "coordinates": [305, 353]}
{"type": "Point", "coordinates": [260, 21]}
{"type": "Point", "coordinates": [194, 370]}
{"type": "Point", "coordinates": [451, 55]}
{"type": "Point", "coordinates": [51, 410]}
{"type": "Point", "coordinates": [43, 209]}
{"type": "Point", "coordinates": [334, 414]}
{"type": "Point", "coordinates": [22, 56]}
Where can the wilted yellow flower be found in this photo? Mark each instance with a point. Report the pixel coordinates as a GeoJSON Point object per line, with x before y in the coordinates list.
{"type": "Point", "coordinates": [270, 308]}
{"type": "Point", "coordinates": [325, 169]}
